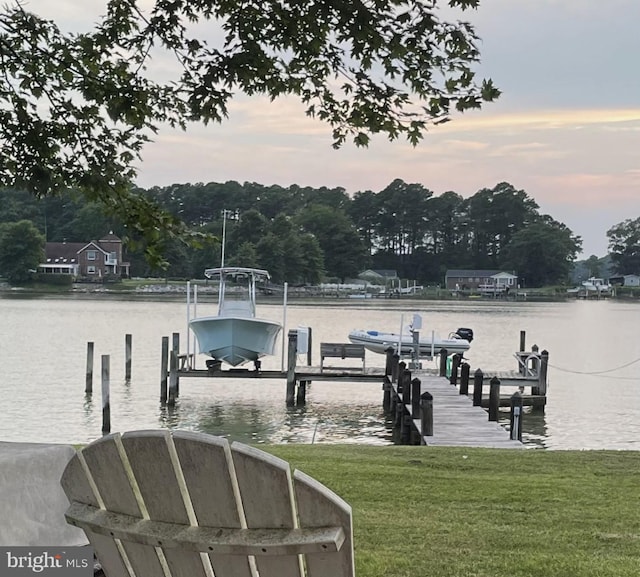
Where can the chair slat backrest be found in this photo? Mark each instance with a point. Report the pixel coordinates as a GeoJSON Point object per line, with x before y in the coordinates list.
{"type": "Point", "coordinates": [155, 503]}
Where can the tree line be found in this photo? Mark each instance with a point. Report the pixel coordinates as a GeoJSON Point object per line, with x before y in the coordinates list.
{"type": "Point", "coordinates": [303, 235]}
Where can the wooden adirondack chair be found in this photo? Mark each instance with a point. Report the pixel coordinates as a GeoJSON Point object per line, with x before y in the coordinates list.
{"type": "Point", "coordinates": [156, 503]}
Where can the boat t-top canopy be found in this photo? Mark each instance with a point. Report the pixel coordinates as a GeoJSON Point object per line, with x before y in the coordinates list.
{"type": "Point", "coordinates": [237, 271]}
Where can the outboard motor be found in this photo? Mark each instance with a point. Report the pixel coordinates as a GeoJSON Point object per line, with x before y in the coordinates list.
{"type": "Point", "coordinates": [466, 334]}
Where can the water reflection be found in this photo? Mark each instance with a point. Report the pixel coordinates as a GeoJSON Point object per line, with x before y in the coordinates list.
{"type": "Point", "coordinates": [301, 424]}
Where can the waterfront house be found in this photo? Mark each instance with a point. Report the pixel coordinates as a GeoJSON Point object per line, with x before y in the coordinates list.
{"type": "Point", "coordinates": [625, 280]}
{"type": "Point", "coordinates": [482, 281]}
{"type": "Point", "coordinates": [92, 261]}
{"type": "Point", "coordinates": [379, 276]}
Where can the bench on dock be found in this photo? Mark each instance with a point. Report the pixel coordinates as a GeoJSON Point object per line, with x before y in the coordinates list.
{"type": "Point", "coordinates": [341, 351]}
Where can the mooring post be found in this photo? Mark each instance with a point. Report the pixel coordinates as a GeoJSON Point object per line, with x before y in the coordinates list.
{"type": "Point", "coordinates": [395, 363]}
{"type": "Point", "coordinates": [291, 367]}
{"type": "Point", "coordinates": [415, 398]}
{"type": "Point", "coordinates": [494, 398]}
{"type": "Point", "coordinates": [455, 363]}
{"type": "Point", "coordinates": [406, 387]}
{"type": "Point", "coordinates": [164, 369]}
{"type": "Point", "coordinates": [176, 352]}
{"type": "Point", "coordinates": [301, 396]}
{"type": "Point", "coordinates": [89, 382]}
{"type": "Point", "coordinates": [515, 420]}
{"type": "Point", "coordinates": [393, 400]}
{"type": "Point", "coordinates": [406, 432]}
{"type": "Point", "coordinates": [414, 430]}
{"type": "Point", "coordinates": [402, 366]}
{"type": "Point", "coordinates": [127, 357]}
{"type": "Point", "coordinates": [426, 414]}
{"type": "Point", "coordinates": [386, 394]}
{"type": "Point", "coordinates": [309, 347]}
{"type": "Point", "coordinates": [106, 403]}
{"type": "Point", "coordinates": [478, 380]}
{"type": "Point", "coordinates": [535, 362]}
{"type": "Point", "coordinates": [541, 389]}
{"type": "Point", "coordinates": [399, 412]}
{"type": "Point", "coordinates": [173, 378]}
{"type": "Point", "coordinates": [443, 362]}
{"type": "Point", "coordinates": [388, 365]}
{"type": "Point", "coordinates": [465, 369]}
{"type": "Point", "coordinates": [522, 364]}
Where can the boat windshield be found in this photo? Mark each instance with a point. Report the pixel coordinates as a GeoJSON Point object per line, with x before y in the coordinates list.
{"type": "Point", "coordinates": [237, 290]}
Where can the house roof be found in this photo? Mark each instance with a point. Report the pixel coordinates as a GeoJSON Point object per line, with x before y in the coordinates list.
{"type": "Point", "coordinates": [382, 273]}
{"type": "Point", "coordinates": [70, 250]}
{"type": "Point", "coordinates": [110, 238]}
{"type": "Point", "coordinates": [62, 250]}
{"type": "Point", "coordinates": [94, 244]}
{"type": "Point", "coordinates": [472, 272]}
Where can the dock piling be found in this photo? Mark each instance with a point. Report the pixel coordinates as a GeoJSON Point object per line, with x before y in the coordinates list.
{"type": "Point", "coordinates": [415, 398]}
{"type": "Point", "coordinates": [426, 414]}
{"type": "Point", "coordinates": [406, 387]}
{"type": "Point", "coordinates": [443, 362]}
{"type": "Point", "coordinates": [176, 353]}
{"type": "Point", "coordinates": [478, 379]}
{"type": "Point", "coordinates": [106, 403]}
{"type": "Point", "coordinates": [164, 369]}
{"type": "Point", "coordinates": [173, 378]}
{"type": "Point", "coordinates": [395, 367]}
{"type": "Point", "coordinates": [402, 367]}
{"type": "Point", "coordinates": [127, 357]}
{"type": "Point", "coordinates": [386, 394]}
{"type": "Point", "coordinates": [301, 396]}
{"type": "Point", "coordinates": [388, 365]}
{"type": "Point", "coordinates": [515, 421]}
{"type": "Point", "coordinates": [541, 388]}
{"type": "Point", "coordinates": [455, 363]}
{"type": "Point", "coordinates": [89, 380]}
{"type": "Point", "coordinates": [494, 398]}
{"type": "Point", "coordinates": [291, 367]}
{"type": "Point", "coordinates": [465, 369]}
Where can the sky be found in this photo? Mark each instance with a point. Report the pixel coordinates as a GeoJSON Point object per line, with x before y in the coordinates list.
{"type": "Point", "coordinates": [566, 128]}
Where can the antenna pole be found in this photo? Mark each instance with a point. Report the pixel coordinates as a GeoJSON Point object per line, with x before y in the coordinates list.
{"type": "Point", "coordinates": [224, 235]}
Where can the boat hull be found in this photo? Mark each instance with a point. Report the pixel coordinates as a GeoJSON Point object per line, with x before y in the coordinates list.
{"type": "Point", "coordinates": [235, 340]}
{"type": "Point", "coordinates": [379, 342]}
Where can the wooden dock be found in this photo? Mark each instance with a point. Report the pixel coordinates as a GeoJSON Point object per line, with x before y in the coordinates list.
{"type": "Point", "coordinates": [454, 415]}
{"type": "Point", "coordinates": [456, 421]}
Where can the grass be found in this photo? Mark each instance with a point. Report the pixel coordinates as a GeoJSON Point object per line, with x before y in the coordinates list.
{"type": "Point", "coordinates": [458, 512]}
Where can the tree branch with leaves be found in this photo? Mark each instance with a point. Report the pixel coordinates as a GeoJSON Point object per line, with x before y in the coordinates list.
{"type": "Point", "coordinates": [76, 110]}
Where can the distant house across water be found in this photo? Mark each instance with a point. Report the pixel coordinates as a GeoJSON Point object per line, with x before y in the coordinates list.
{"type": "Point", "coordinates": [92, 261]}
{"type": "Point", "coordinates": [489, 281]}
{"type": "Point", "coordinates": [625, 280]}
{"type": "Point", "coordinates": [378, 276]}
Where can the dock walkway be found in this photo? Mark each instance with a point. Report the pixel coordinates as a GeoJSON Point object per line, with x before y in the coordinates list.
{"type": "Point", "coordinates": [456, 422]}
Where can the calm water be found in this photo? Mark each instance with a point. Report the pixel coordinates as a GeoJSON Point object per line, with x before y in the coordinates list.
{"type": "Point", "coordinates": [593, 398]}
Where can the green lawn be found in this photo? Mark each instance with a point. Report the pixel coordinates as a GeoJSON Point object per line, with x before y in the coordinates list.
{"type": "Point", "coordinates": [422, 511]}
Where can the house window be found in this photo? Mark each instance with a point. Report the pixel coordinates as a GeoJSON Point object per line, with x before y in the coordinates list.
{"type": "Point", "coordinates": [113, 256]}
{"type": "Point", "coordinates": [91, 270]}
{"type": "Point", "coordinates": [91, 255]}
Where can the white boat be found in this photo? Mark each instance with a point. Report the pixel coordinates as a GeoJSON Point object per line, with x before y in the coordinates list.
{"type": "Point", "coordinates": [380, 341]}
{"type": "Point", "coordinates": [597, 285]}
{"type": "Point", "coordinates": [592, 287]}
{"type": "Point", "coordinates": [235, 335]}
